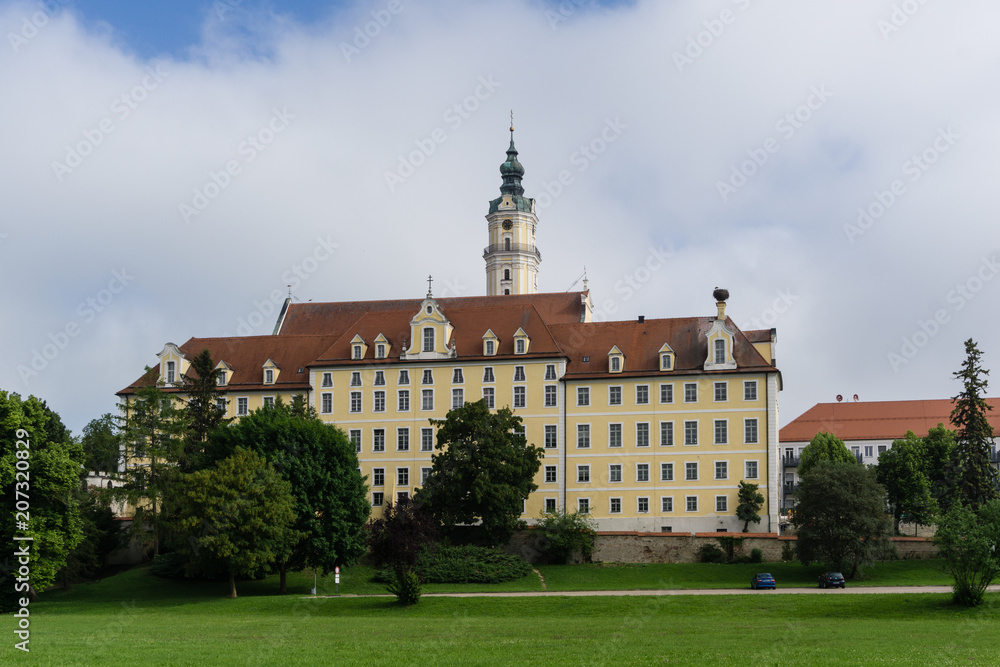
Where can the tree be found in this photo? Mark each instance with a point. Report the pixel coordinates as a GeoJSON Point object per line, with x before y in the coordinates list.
{"type": "Point", "coordinates": [483, 470]}
{"type": "Point", "coordinates": [824, 447]}
{"type": "Point", "coordinates": [567, 533]}
{"type": "Point", "coordinates": [100, 537]}
{"type": "Point", "coordinates": [938, 448]}
{"type": "Point", "coordinates": [840, 516]}
{"type": "Point", "coordinates": [237, 517]}
{"type": "Point", "coordinates": [969, 542]}
{"type": "Point", "coordinates": [396, 540]}
{"type": "Point", "coordinates": [900, 470]}
{"type": "Point", "coordinates": [973, 480]}
{"type": "Point", "coordinates": [750, 503]}
{"type": "Point", "coordinates": [331, 498]}
{"type": "Point", "coordinates": [200, 385]}
{"type": "Point", "coordinates": [40, 468]}
{"type": "Point", "coordinates": [101, 444]}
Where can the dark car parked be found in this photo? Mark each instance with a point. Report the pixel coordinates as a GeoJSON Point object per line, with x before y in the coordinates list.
{"type": "Point", "coordinates": [762, 580]}
{"type": "Point", "coordinates": [832, 580]}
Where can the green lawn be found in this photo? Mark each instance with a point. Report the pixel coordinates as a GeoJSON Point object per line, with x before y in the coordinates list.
{"type": "Point", "coordinates": [135, 618]}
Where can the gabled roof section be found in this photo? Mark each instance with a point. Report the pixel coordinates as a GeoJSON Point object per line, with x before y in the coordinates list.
{"type": "Point", "coordinates": [877, 420]}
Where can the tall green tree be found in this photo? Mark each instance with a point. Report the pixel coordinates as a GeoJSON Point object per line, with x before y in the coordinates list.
{"type": "Point", "coordinates": [236, 517]}
{"type": "Point", "coordinates": [331, 503]}
{"type": "Point", "coordinates": [824, 447]}
{"type": "Point", "coordinates": [200, 386]}
{"type": "Point", "coordinates": [900, 470]}
{"type": "Point", "coordinates": [938, 449]}
{"type": "Point", "coordinates": [840, 517]}
{"type": "Point", "coordinates": [750, 500]}
{"type": "Point", "coordinates": [101, 444]}
{"type": "Point", "coordinates": [482, 470]}
{"type": "Point", "coordinates": [969, 542]}
{"type": "Point", "coordinates": [40, 468]}
{"type": "Point", "coordinates": [973, 479]}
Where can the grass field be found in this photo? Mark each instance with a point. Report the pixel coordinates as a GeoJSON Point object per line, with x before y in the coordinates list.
{"type": "Point", "coordinates": [135, 618]}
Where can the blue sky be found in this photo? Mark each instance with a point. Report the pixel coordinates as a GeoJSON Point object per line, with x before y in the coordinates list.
{"type": "Point", "coordinates": [168, 167]}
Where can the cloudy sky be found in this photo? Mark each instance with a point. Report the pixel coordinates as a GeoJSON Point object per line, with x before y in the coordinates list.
{"type": "Point", "coordinates": [170, 168]}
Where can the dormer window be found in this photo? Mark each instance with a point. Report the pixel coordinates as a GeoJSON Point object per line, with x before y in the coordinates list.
{"type": "Point", "coordinates": [616, 360]}
{"type": "Point", "coordinates": [666, 358]}
{"type": "Point", "coordinates": [171, 374]}
{"type": "Point", "coordinates": [356, 352]}
{"type": "Point", "coordinates": [268, 376]}
{"type": "Point", "coordinates": [380, 351]}
{"type": "Point", "coordinates": [519, 346]}
{"type": "Point", "coordinates": [490, 343]}
{"type": "Point", "coordinates": [521, 342]}
{"type": "Point", "coordinates": [720, 351]}
{"type": "Point", "coordinates": [220, 379]}
{"type": "Point", "coordinates": [490, 349]}
{"type": "Point", "coordinates": [428, 339]}
{"type": "Point", "coordinates": [616, 364]}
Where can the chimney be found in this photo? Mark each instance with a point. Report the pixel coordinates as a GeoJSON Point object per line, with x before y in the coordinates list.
{"type": "Point", "coordinates": [720, 301]}
{"type": "Point", "coordinates": [642, 319]}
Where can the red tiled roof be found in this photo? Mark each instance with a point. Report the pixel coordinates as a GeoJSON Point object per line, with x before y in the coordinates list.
{"type": "Point", "coordinates": [877, 420]}
{"type": "Point", "coordinates": [758, 335]}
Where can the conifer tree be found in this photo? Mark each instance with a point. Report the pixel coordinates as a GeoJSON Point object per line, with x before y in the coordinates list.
{"type": "Point", "coordinates": [973, 480]}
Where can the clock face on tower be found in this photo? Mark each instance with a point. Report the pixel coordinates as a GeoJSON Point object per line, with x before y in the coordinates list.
{"type": "Point", "coordinates": [507, 225]}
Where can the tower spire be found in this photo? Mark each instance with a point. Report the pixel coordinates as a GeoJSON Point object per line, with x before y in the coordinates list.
{"type": "Point", "coordinates": [511, 170]}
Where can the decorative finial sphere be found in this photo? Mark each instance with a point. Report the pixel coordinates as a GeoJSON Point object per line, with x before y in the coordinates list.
{"type": "Point", "coordinates": [720, 294]}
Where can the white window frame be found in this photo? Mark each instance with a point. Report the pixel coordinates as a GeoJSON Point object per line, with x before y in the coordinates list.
{"type": "Point", "coordinates": [691, 386]}
{"type": "Point", "coordinates": [666, 472]}
{"type": "Point", "coordinates": [750, 390]}
{"type": "Point", "coordinates": [402, 400]}
{"type": "Point", "coordinates": [724, 424]}
{"type": "Point", "coordinates": [551, 396]}
{"type": "Point", "coordinates": [688, 469]}
{"type": "Point", "coordinates": [642, 434]}
{"type": "Point", "coordinates": [614, 473]}
{"type": "Point", "coordinates": [457, 376]}
{"type": "Point", "coordinates": [550, 372]}
{"type": "Point", "coordinates": [326, 403]}
{"type": "Point", "coordinates": [687, 423]}
{"type": "Point", "coordinates": [720, 387]}
{"type": "Point", "coordinates": [666, 392]}
{"type": "Point", "coordinates": [666, 504]}
{"type": "Point", "coordinates": [583, 505]}
{"type": "Point", "coordinates": [426, 400]}
{"type": "Point", "coordinates": [583, 397]}
{"type": "Point", "coordinates": [641, 472]}
{"type": "Point", "coordinates": [551, 475]}
{"type": "Point", "coordinates": [553, 431]}
{"type": "Point", "coordinates": [356, 402]}
{"type": "Point", "coordinates": [426, 446]}
{"type": "Point", "coordinates": [642, 504]}
{"type": "Point", "coordinates": [724, 469]}
{"type": "Point", "coordinates": [489, 395]}
{"type": "Point", "coordinates": [402, 438]}
{"type": "Point", "coordinates": [519, 375]}
{"type": "Point", "coordinates": [612, 502]}
{"type": "Point", "coordinates": [615, 392]}
{"type": "Point", "coordinates": [722, 504]}
{"type": "Point", "coordinates": [457, 398]}
{"type": "Point", "coordinates": [488, 375]}
{"type": "Point", "coordinates": [581, 469]}
{"type": "Point", "coordinates": [615, 435]}
{"type": "Point", "coordinates": [687, 503]}
{"type": "Point", "coordinates": [748, 423]}
{"type": "Point", "coordinates": [402, 475]}
{"type": "Point", "coordinates": [751, 469]}
{"type": "Point", "coordinates": [581, 431]}
{"type": "Point", "coordinates": [327, 380]}
{"type": "Point", "coordinates": [642, 394]}
{"type": "Point", "coordinates": [520, 397]}
{"type": "Point", "coordinates": [354, 435]}
{"type": "Point", "coordinates": [378, 400]}
{"type": "Point", "coordinates": [378, 439]}
{"type": "Point", "coordinates": [668, 431]}
{"type": "Point", "coordinates": [242, 406]}
{"type": "Point", "coordinates": [377, 474]}
{"type": "Point", "coordinates": [429, 339]}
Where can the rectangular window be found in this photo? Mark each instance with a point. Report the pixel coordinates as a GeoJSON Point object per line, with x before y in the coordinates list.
{"type": "Point", "coordinates": [378, 440]}
{"type": "Point", "coordinates": [749, 390]}
{"type": "Point", "coordinates": [426, 439]}
{"type": "Point", "coordinates": [269, 401]}
{"type": "Point", "coordinates": [722, 503]}
{"type": "Point", "coordinates": [614, 395]}
{"type": "Point", "coordinates": [690, 433]}
{"type": "Point", "coordinates": [357, 352]}
{"type": "Point", "coordinates": [220, 404]}
{"type": "Point", "coordinates": [171, 372]}
{"type": "Point", "coordinates": [720, 351]}
{"type": "Point", "coordinates": [666, 472]}
{"type": "Point", "coordinates": [721, 391]}
{"type": "Point", "coordinates": [377, 498]}
{"type": "Point", "coordinates": [721, 470]}
{"type": "Point", "coordinates": [402, 476]}
{"type": "Point", "coordinates": [488, 396]}
{"type": "Point", "coordinates": [691, 471]}
{"type": "Point", "coordinates": [403, 439]}
{"type": "Point", "coordinates": [327, 379]}
{"type": "Point", "coordinates": [666, 504]}
{"type": "Point", "coordinates": [428, 339]}
{"type": "Point", "coordinates": [751, 469]}
{"type": "Point", "coordinates": [424, 474]}
{"type": "Point", "coordinates": [666, 434]}
{"type": "Point", "coordinates": [404, 377]}
{"type": "Point", "coordinates": [550, 474]}
{"type": "Point", "coordinates": [616, 506]}
{"type": "Point", "coordinates": [691, 503]}
{"type": "Point", "coordinates": [356, 379]}
{"type": "Point", "coordinates": [642, 472]}
{"type": "Point", "coordinates": [551, 441]}
{"type": "Point", "coordinates": [721, 431]}
{"type": "Point", "coordinates": [355, 401]}
{"type": "Point", "coordinates": [583, 436]}
{"type": "Point", "coordinates": [642, 504]}
{"type": "Point", "coordinates": [428, 377]}
{"type": "Point", "coordinates": [378, 476]}
{"type": "Point", "coordinates": [490, 348]}
{"type": "Point", "coordinates": [457, 398]}
{"type": "Point", "coordinates": [378, 402]}
{"type": "Point", "coordinates": [380, 351]}
{"type": "Point", "coordinates": [457, 377]}
{"type": "Point", "coordinates": [615, 472]}
{"type": "Point", "coordinates": [666, 361]}
{"type": "Point", "coordinates": [326, 403]}
{"type": "Point", "coordinates": [242, 406]}
{"type": "Point", "coordinates": [519, 397]}
{"type": "Point", "coordinates": [616, 364]}
{"type": "Point", "coordinates": [583, 505]}
{"type": "Point", "coordinates": [550, 504]}
{"type": "Point", "coordinates": [550, 396]}
{"type": "Point", "coordinates": [583, 474]}
{"type": "Point", "coordinates": [666, 393]}
{"type": "Point", "coordinates": [614, 435]}
{"type": "Point", "coordinates": [550, 372]}
{"type": "Point", "coordinates": [220, 379]}
{"type": "Point", "coordinates": [881, 449]}
{"type": "Point", "coordinates": [379, 379]}
{"type": "Point", "coordinates": [642, 434]}
{"type": "Point", "coordinates": [355, 435]}
{"type": "Point", "coordinates": [426, 399]}
{"type": "Point", "coordinates": [518, 373]}
{"type": "Point", "coordinates": [488, 374]}
{"type": "Point", "coordinates": [750, 431]}
{"type": "Point", "coordinates": [582, 396]}
{"type": "Point", "coordinates": [519, 346]}
{"type": "Point", "coordinates": [690, 392]}
{"type": "Point", "coordinates": [642, 394]}
{"type": "Point", "coordinates": [869, 451]}
{"type": "Point", "coordinates": [403, 400]}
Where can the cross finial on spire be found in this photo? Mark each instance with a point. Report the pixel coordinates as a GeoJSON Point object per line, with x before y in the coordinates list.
{"type": "Point", "coordinates": [430, 280]}
{"type": "Point", "coordinates": [512, 121]}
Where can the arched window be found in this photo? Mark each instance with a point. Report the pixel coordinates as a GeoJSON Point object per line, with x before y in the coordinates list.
{"type": "Point", "coordinates": [506, 243]}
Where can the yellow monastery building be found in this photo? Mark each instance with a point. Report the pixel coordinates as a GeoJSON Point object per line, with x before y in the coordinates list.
{"type": "Point", "coordinates": [648, 425]}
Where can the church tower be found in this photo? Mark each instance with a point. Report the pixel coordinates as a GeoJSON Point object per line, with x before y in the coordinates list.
{"type": "Point", "coordinates": [511, 257]}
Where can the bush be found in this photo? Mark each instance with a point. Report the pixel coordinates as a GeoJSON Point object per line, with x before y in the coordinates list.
{"type": "Point", "coordinates": [405, 585]}
{"type": "Point", "coordinates": [568, 533]}
{"type": "Point", "coordinates": [467, 564]}
{"type": "Point", "coordinates": [709, 553]}
{"type": "Point", "coordinates": [756, 556]}
{"type": "Point", "coordinates": [788, 551]}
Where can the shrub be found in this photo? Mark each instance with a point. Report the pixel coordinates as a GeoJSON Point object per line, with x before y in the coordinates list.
{"type": "Point", "coordinates": [405, 585]}
{"type": "Point", "coordinates": [709, 553]}
{"type": "Point", "coordinates": [756, 556]}
{"type": "Point", "coordinates": [568, 533]}
{"type": "Point", "coordinates": [466, 564]}
{"type": "Point", "coordinates": [788, 551]}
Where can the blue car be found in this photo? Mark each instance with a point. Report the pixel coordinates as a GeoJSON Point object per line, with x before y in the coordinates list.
{"type": "Point", "coordinates": [762, 580]}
